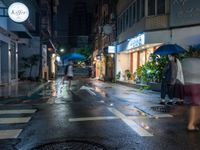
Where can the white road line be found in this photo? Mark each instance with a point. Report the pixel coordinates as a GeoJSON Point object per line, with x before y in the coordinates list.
{"type": "Point", "coordinates": [37, 89]}
{"type": "Point", "coordinates": [115, 117]}
{"type": "Point", "coordinates": [21, 111]}
{"type": "Point", "coordinates": [92, 118]}
{"type": "Point", "coordinates": [134, 126]}
{"type": "Point", "coordinates": [163, 116]}
{"type": "Point", "coordinates": [10, 134]}
{"type": "Point", "coordinates": [89, 89]}
{"type": "Point", "coordinates": [14, 120]}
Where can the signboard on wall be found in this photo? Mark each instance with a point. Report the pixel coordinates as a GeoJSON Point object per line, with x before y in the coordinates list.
{"type": "Point", "coordinates": [136, 41]}
{"type": "Point", "coordinates": [184, 12]}
{"type": "Point", "coordinates": [111, 49]}
{"type": "Point", "coordinates": [18, 12]}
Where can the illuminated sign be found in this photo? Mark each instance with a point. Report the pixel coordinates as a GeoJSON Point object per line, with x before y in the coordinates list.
{"type": "Point", "coordinates": [111, 49]}
{"type": "Point", "coordinates": [18, 12]}
{"type": "Point", "coordinates": [136, 41]}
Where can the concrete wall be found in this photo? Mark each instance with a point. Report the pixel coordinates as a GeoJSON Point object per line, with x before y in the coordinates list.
{"type": "Point", "coordinates": [122, 5]}
{"type": "Point", "coordinates": [186, 36]}
{"type": "Point", "coordinates": [33, 47]}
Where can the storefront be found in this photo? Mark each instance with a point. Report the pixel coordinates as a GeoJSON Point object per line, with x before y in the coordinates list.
{"type": "Point", "coordinates": [100, 67]}
{"type": "Point", "coordinates": [104, 64]}
{"type": "Point", "coordinates": [132, 54]}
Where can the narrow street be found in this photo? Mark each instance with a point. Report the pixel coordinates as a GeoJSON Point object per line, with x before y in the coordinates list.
{"type": "Point", "coordinates": [94, 115]}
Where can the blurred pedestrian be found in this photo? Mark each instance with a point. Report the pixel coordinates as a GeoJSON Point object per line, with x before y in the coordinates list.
{"type": "Point", "coordinates": [179, 85]}
{"type": "Point", "coordinates": [69, 73]}
{"type": "Point", "coordinates": [169, 80]}
{"type": "Point", "coordinates": [191, 71]}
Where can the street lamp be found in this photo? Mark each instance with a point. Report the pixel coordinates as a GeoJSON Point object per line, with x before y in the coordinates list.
{"type": "Point", "coordinates": [62, 50]}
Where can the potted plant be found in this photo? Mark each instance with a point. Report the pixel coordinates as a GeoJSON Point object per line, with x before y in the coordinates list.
{"type": "Point", "coordinates": [128, 74]}
{"type": "Point", "coordinates": [118, 75]}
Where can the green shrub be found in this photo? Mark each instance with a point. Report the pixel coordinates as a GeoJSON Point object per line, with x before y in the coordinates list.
{"type": "Point", "coordinates": [152, 70]}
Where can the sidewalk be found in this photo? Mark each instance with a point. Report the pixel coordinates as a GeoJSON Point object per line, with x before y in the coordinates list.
{"type": "Point", "coordinates": [18, 89]}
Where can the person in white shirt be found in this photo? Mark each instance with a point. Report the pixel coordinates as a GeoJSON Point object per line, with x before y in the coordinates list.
{"type": "Point", "coordinates": [69, 73]}
{"type": "Point", "coordinates": [179, 85]}
{"type": "Point", "coordinates": [191, 72]}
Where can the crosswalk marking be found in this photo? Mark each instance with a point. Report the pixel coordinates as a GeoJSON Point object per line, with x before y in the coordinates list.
{"type": "Point", "coordinates": [14, 120]}
{"type": "Point", "coordinates": [13, 133]}
{"type": "Point", "coordinates": [133, 125]}
{"type": "Point", "coordinates": [10, 134]}
{"type": "Point", "coordinates": [21, 111]}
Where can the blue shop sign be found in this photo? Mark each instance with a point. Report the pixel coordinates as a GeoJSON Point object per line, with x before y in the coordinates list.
{"type": "Point", "coordinates": [132, 43]}
{"type": "Point", "coordinates": [136, 42]}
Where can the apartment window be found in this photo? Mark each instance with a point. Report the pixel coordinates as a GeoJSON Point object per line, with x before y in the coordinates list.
{"type": "Point", "coordinates": [160, 7]}
{"type": "Point", "coordinates": [121, 24]}
{"type": "Point", "coordinates": [142, 8]}
{"type": "Point", "coordinates": [124, 22]}
{"type": "Point", "coordinates": [118, 26]}
{"type": "Point", "coordinates": [156, 7]}
{"type": "Point", "coordinates": [126, 19]}
{"type": "Point", "coordinates": [133, 14]}
{"type": "Point", "coordinates": [130, 16]}
{"type": "Point", "coordinates": [138, 10]}
{"type": "Point", "coordinates": [151, 7]}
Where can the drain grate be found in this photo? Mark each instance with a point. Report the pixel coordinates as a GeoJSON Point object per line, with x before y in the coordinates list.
{"type": "Point", "coordinates": [164, 109]}
{"type": "Point", "coordinates": [71, 145]}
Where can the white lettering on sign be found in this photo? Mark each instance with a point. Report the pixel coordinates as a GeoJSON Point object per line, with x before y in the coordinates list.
{"type": "Point", "coordinates": [18, 12]}
{"type": "Point", "coordinates": [136, 41]}
{"type": "Point", "coordinates": [111, 49]}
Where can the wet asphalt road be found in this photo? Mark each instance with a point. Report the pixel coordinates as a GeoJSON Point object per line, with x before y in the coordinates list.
{"type": "Point", "coordinates": [64, 115]}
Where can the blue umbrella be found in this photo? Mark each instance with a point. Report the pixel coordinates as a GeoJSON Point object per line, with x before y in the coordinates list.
{"type": "Point", "coordinates": [73, 56]}
{"type": "Point", "coordinates": [169, 49]}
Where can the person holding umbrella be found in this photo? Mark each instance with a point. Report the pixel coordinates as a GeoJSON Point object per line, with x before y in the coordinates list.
{"type": "Point", "coordinates": [172, 72]}
{"type": "Point", "coordinates": [169, 79]}
{"type": "Point", "coordinates": [69, 73]}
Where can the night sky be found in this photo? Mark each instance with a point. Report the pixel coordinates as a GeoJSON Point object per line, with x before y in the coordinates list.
{"type": "Point", "coordinates": [64, 10]}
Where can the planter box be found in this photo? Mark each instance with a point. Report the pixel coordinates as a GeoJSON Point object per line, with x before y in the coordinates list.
{"type": "Point", "coordinates": [155, 86]}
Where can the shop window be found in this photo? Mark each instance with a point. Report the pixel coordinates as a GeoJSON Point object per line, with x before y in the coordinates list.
{"type": "Point", "coordinates": [142, 58]}
{"type": "Point", "coordinates": [135, 61]}
{"type": "Point", "coordinates": [148, 53]}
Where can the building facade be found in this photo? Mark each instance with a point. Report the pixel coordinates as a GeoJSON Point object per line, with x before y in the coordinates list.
{"type": "Point", "coordinates": [79, 25]}
{"type": "Point", "coordinates": [14, 38]}
{"type": "Point", "coordinates": [144, 25]}
{"type": "Point", "coordinates": [104, 40]}
{"type": "Point", "coordinates": [48, 35]}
